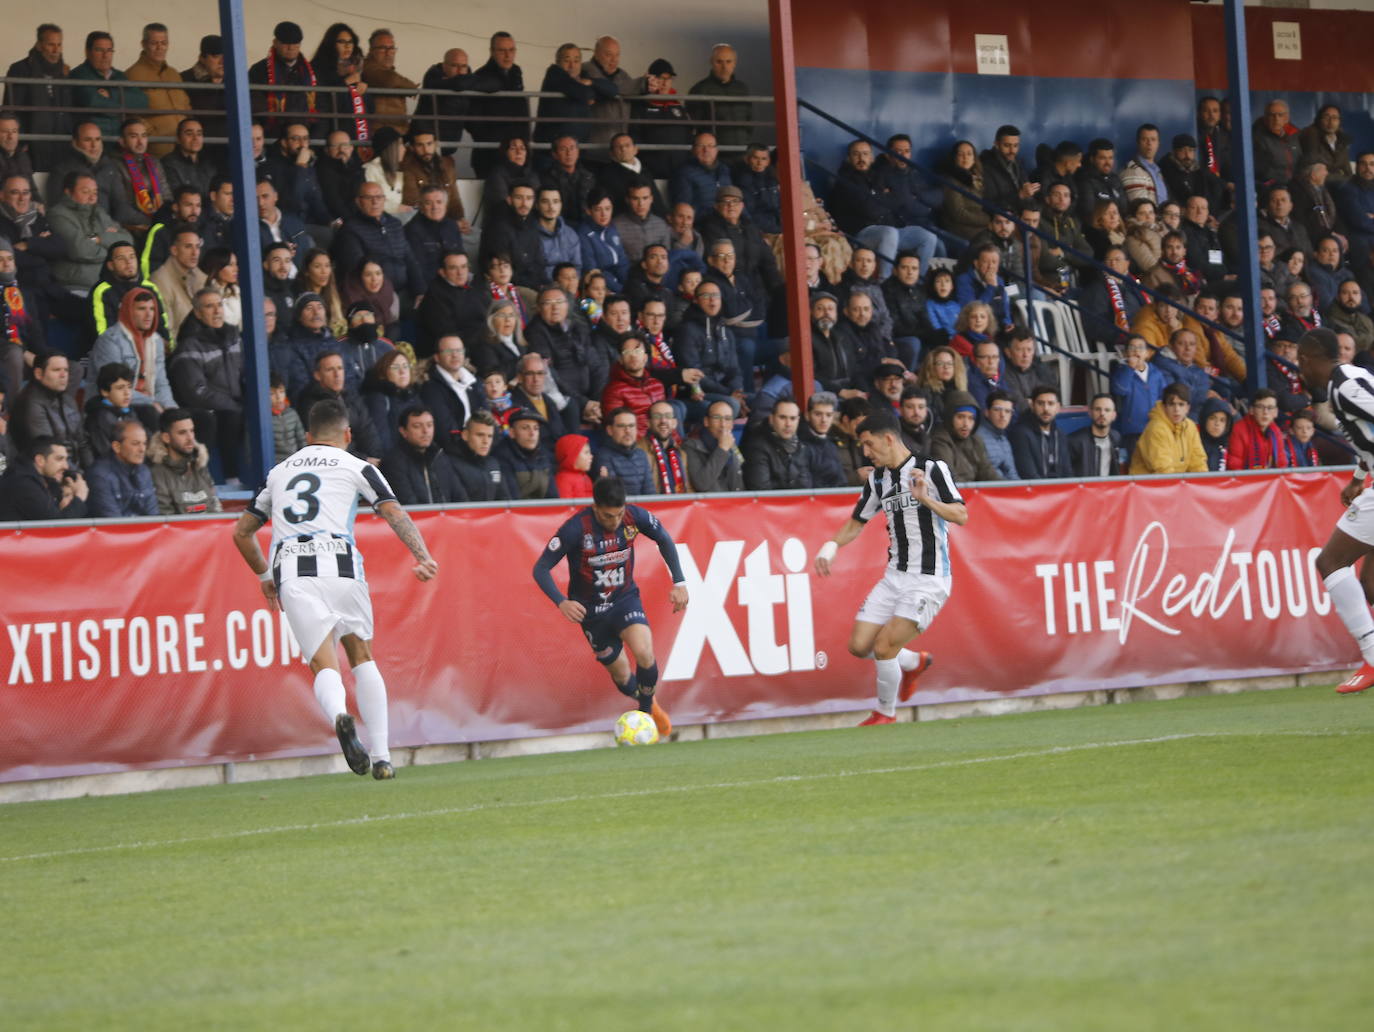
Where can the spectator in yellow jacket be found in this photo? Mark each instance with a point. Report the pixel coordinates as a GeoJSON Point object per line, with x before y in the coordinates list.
{"type": "Point", "coordinates": [1171, 442]}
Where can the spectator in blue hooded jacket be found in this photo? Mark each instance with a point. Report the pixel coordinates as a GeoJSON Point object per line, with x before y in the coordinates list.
{"type": "Point", "coordinates": [1136, 385]}
{"type": "Point", "coordinates": [619, 456]}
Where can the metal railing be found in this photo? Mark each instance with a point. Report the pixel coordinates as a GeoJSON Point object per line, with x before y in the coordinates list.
{"type": "Point", "coordinates": [700, 109]}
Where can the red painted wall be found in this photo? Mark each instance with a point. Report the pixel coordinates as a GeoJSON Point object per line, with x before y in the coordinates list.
{"type": "Point", "coordinates": [1047, 38]}
{"type": "Point", "coordinates": [1336, 49]}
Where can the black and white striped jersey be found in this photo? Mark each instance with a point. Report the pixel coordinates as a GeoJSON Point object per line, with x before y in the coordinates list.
{"type": "Point", "coordinates": [918, 540]}
{"type": "Point", "coordinates": [1352, 400]}
{"type": "Point", "coordinates": [311, 499]}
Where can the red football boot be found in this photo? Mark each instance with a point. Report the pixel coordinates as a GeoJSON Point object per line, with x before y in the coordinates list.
{"type": "Point", "coordinates": [877, 718]}
{"type": "Point", "coordinates": [1358, 681]}
{"type": "Point", "coordinates": [910, 677]}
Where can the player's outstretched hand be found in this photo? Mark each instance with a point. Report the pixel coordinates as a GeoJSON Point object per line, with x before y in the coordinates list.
{"type": "Point", "coordinates": [574, 611]}
{"type": "Point", "coordinates": [1351, 491]}
{"type": "Point", "coordinates": [269, 592]}
{"type": "Point", "coordinates": [823, 566]}
{"type": "Point", "coordinates": [426, 570]}
{"type": "Point", "coordinates": [678, 597]}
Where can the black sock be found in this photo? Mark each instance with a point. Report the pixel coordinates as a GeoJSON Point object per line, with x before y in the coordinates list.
{"type": "Point", "coordinates": [629, 688]}
{"type": "Point", "coordinates": [648, 681]}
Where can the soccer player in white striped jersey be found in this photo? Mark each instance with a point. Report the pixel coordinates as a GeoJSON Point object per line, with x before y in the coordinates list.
{"type": "Point", "coordinates": [1350, 389]}
{"type": "Point", "coordinates": [316, 573]}
{"type": "Point", "coordinates": [920, 500]}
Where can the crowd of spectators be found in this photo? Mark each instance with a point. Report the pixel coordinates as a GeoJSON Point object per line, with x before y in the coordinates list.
{"type": "Point", "coordinates": [583, 320]}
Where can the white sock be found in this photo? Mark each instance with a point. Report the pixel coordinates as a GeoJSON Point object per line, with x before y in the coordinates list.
{"type": "Point", "coordinates": [329, 692]}
{"type": "Point", "coordinates": [1347, 594]}
{"type": "Point", "coordinates": [889, 677]}
{"type": "Point", "coordinates": [908, 659]}
{"type": "Point", "coordinates": [370, 690]}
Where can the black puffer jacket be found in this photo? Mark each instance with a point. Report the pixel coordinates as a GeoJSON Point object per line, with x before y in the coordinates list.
{"type": "Point", "coordinates": [579, 366]}
{"type": "Point", "coordinates": [384, 241]}
{"type": "Point", "coordinates": [772, 464]}
{"type": "Point", "coordinates": [422, 477]}
{"type": "Point", "coordinates": [206, 369]}
{"type": "Point", "coordinates": [709, 345]}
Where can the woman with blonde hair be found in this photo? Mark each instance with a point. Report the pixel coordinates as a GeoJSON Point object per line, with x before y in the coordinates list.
{"type": "Point", "coordinates": [974, 326]}
{"type": "Point", "coordinates": [941, 371]}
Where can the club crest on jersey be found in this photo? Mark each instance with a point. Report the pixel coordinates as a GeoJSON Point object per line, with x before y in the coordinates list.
{"type": "Point", "coordinates": [588, 543]}
{"type": "Point", "coordinates": [554, 543]}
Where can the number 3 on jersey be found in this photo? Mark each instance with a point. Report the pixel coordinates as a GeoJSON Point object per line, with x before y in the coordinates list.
{"type": "Point", "coordinates": [305, 487]}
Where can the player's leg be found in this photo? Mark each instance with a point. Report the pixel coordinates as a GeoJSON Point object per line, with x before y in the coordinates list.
{"type": "Point", "coordinates": [862, 637]}
{"type": "Point", "coordinates": [313, 620]}
{"type": "Point", "coordinates": [1336, 564]}
{"type": "Point", "coordinates": [370, 690]}
{"type": "Point", "coordinates": [876, 611]}
{"type": "Point", "coordinates": [888, 643]}
{"type": "Point", "coordinates": [639, 644]}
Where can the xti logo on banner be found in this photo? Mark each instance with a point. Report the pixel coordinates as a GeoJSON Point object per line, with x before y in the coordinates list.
{"type": "Point", "coordinates": [758, 591]}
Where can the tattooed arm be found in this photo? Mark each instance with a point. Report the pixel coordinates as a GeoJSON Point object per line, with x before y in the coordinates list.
{"type": "Point", "coordinates": [425, 567]}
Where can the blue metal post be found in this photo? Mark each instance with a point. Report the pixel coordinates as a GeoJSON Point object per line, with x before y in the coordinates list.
{"type": "Point", "coordinates": [247, 245]}
{"type": "Point", "coordinates": [1243, 169]}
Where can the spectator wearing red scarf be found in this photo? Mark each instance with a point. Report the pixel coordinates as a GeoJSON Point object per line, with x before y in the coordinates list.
{"type": "Point", "coordinates": [1256, 441]}
{"type": "Point", "coordinates": [284, 65]}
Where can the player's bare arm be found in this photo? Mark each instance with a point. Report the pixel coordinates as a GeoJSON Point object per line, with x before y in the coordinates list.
{"type": "Point", "coordinates": [399, 520]}
{"type": "Point", "coordinates": [848, 532]}
{"type": "Point", "coordinates": [950, 512]}
{"type": "Point", "coordinates": [246, 541]}
{"type": "Point", "coordinates": [1353, 490]}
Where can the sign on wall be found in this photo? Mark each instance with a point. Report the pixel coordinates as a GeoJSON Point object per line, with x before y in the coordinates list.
{"type": "Point", "coordinates": [1287, 41]}
{"type": "Point", "coordinates": [994, 54]}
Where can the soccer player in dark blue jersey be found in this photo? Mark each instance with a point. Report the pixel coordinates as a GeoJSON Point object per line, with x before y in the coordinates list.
{"type": "Point", "coordinates": [602, 595]}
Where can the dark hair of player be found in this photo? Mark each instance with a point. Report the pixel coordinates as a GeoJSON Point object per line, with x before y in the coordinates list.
{"type": "Point", "coordinates": [881, 420]}
{"type": "Point", "coordinates": [609, 493]}
{"type": "Point", "coordinates": [328, 418]}
{"type": "Point", "coordinates": [1322, 343]}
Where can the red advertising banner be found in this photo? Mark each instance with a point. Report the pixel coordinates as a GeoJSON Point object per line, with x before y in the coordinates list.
{"type": "Point", "coordinates": [145, 645]}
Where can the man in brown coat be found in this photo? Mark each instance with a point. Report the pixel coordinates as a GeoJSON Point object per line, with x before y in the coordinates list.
{"type": "Point", "coordinates": [380, 70]}
{"type": "Point", "coordinates": [152, 66]}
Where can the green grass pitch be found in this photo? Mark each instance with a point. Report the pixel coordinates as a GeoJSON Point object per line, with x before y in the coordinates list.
{"type": "Point", "coordinates": [1199, 864]}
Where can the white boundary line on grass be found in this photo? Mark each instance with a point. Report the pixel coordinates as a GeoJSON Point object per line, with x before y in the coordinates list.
{"type": "Point", "coordinates": [450, 811]}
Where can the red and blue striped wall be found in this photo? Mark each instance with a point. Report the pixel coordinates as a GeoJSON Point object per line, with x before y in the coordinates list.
{"type": "Point", "coordinates": [1077, 72]}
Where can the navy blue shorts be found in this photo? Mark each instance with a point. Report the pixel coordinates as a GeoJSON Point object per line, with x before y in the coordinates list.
{"type": "Point", "coordinates": [603, 626]}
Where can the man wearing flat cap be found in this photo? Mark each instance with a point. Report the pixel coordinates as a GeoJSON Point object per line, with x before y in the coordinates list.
{"type": "Point", "coordinates": [284, 65]}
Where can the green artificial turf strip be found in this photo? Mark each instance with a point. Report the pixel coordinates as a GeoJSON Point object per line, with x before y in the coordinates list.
{"type": "Point", "coordinates": [805, 881]}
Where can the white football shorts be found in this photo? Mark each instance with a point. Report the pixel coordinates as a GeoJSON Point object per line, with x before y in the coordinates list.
{"type": "Point", "coordinates": [916, 597]}
{"type": "Point", "coordinates": [1358, 520]}
{"type": "Point", "coordinates": [318, 607]}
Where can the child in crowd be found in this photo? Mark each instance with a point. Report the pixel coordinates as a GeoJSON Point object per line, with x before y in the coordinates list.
{"type": "Point", "coordinates": [287, 432]}
{"type": "Point", "coordinates": [941, 308]}
{"type": "Point", "coordinates": [1302, 430]}
{"type": "Point", "coordinates": [1217, 418]}
{"type": "Point", "coordinates": [497, 392]}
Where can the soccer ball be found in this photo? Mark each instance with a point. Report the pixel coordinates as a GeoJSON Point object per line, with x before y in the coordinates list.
{"type": "Point", "coordinates": [635, 728]}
